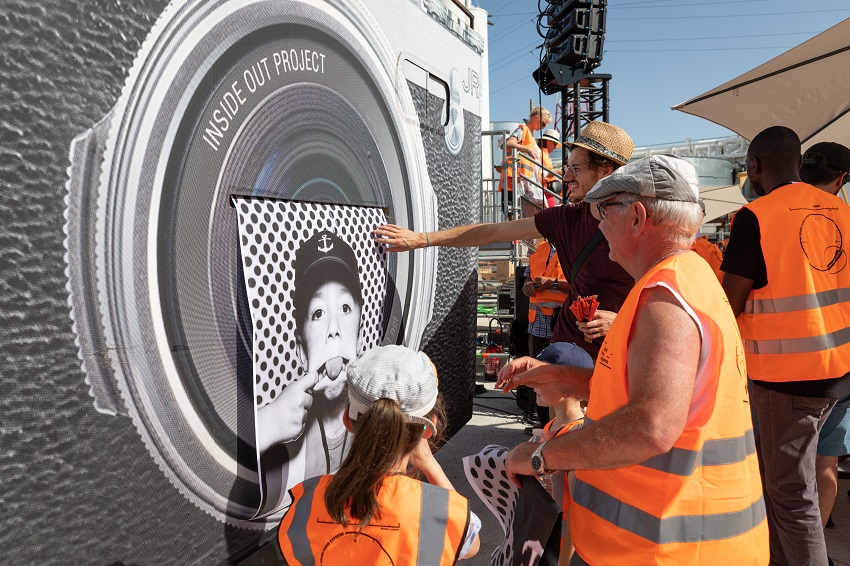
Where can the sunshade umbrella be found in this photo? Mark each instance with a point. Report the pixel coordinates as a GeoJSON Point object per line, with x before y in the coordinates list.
{"type": "Point", "coordinates": [806, 89]}
{"type": "Point", "coordinates": [720, 201]}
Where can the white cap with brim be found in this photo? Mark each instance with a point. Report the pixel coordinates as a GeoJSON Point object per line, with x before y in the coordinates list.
{"type": "Point", "coordinates": [553, 136]}
{"type": "Point", "coordinates": [663, 177]}
{"type": "Point", "coordinates": [396, 373]}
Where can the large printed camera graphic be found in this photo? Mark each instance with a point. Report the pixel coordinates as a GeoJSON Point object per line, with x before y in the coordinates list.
{"type": "Point", "coordinates": [309, 100]}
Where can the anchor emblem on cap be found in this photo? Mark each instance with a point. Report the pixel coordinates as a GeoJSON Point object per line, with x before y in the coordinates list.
{"type": "Point", "coordinates": [326, 245]}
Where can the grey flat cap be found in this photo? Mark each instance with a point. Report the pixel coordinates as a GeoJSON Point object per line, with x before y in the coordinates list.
{"type": "Point", "coordinates": [664, 177]}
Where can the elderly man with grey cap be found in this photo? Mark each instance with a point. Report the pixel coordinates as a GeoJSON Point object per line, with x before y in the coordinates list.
{"type": "Point", "coordinates": [665, 467]}
{"type": "Point", "coordinates": [598, 151]}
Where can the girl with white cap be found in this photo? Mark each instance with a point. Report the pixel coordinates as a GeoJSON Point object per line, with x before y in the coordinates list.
{"type": "Point", "coordinates": [371, 511]}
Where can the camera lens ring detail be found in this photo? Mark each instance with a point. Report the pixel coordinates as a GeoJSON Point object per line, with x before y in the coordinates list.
{"type": "Point", "coordinates": [185, 46]}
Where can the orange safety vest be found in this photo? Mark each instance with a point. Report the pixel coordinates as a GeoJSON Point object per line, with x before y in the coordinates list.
{"type": "Point", "coordinates": [526, 167]}
{"type": "Point", "coordinates": [419, 524]}
{"type": "Point", "coordinates": [546, 176]}
{"type": "Point", "coordinates": [797, 327]}
{"type": "Point", "coordinates": [710, 253]}
{"type": "Point", "coordinates": [701, 502]}
{"type": "Point", "coordinates": [561, 475]}
{"type": "Point", "coordinates": [539, 265]}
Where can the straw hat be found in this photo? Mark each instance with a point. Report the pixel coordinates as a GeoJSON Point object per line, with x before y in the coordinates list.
{"type": "Point", "coordinates": [552, 135]}
{"type": "Point", "coordinates": [606, 140]}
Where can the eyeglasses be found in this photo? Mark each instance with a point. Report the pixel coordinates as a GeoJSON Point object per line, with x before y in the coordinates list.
{"type": "Point", "coordinates": [572, 168]}
{"type": "Point", "coordinates": [602, 205]}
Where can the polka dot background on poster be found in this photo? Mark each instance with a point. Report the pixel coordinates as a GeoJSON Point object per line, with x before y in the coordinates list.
{"type": "Point", "coordinates": [488, 477]}
{"type": "Point", "coordinates": [270, 233]}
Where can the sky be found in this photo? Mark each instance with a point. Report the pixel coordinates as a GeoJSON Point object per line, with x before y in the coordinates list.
{"type": "Point", "coordinates": [658, 52]}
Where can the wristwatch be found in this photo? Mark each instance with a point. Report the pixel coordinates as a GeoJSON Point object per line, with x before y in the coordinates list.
{"type": "Point", "coordinates": [537, 463]}
{"type": "Point", "coordinates": [555, 285]}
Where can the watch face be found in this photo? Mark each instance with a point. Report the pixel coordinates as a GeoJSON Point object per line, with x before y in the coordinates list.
{"type": "Point", "coordinates": [537, 463]}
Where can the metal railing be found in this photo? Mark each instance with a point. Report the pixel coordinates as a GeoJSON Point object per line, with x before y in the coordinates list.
{"type": "Point", "coordinates": [495, 206]}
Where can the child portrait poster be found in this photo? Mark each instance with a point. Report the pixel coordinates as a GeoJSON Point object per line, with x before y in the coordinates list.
{"type": "Point", "coordinates": [316, 283]}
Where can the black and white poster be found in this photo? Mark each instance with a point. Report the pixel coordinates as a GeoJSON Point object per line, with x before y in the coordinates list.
{"type": "Point", "coordinates": [316, 283]}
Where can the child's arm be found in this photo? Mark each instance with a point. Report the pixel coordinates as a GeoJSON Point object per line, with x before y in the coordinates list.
{"type": "Point", "coordinates": [423, 459]}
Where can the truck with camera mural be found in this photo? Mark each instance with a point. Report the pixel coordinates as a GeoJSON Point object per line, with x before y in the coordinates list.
{"type": "Point", "coordinates": [170, 165]}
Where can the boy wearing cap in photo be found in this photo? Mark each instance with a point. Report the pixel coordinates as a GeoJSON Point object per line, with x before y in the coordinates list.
{"type": "Point", "coordinates": [663, 468]}
{"type": "Point", "coordinates": [597, 152]}
{"type": "Point", "coordinates": [784, 271]}
{"type": "Point", "coordinates": [826, 166]}
{"type": "Point", "coordinates": [371, 511]}
{"type": "Point", "coordinates": [327, 303]}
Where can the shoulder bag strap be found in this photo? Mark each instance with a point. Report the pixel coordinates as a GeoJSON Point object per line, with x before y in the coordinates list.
{"type": "Point", "coordinates": [585, 253]}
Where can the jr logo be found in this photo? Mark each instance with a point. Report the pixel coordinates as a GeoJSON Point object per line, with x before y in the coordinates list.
{"type": "Point", "coordinates": [470, 85]}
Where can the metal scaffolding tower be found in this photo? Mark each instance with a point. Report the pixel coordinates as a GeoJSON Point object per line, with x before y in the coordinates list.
{"type": "Point", "coordinates": [582, 102]}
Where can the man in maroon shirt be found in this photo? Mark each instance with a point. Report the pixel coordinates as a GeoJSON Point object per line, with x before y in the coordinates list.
{"type": "Point", "coordinates": [598, 151]}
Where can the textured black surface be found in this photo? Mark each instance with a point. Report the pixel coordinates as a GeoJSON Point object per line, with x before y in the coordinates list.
{"type": "Point", "coordinates": [79, 487]}
{"type": "Point", "coordinates": [450, 336]}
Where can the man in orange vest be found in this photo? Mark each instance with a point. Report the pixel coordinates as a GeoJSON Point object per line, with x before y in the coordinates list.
{"type": "Point", "coordinates": [665, 467]}
{"type": "Point", "coordinates": [528, 156]}
{"type": "Point", "coordinates": [787, 279]}
{"type": "Point", "coordinates": [826, 166]}
{"type": "Point", "coordinates": [546, 289]}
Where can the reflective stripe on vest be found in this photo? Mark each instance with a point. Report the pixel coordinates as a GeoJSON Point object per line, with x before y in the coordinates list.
{"type": "Point", "coordinates": [297, 532]}
{"type": "Point", "coordinates": [432, 524]}
{"type": "Point", "coordinates": [419, 525]}
{"type": "Point", "coordinates": [701, 501]}
{"type": "Point", "coordinates": [797, 327]}
{"type": "Point", "coordinates": [717, 452]}
{"type": "Point", "coordinates": [682, 528]}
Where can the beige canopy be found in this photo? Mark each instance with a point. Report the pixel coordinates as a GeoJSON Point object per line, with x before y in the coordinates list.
{"type": "Point", "coordinates": [720, 201]}
{"type": "Point", "coordinates": [806, 89]}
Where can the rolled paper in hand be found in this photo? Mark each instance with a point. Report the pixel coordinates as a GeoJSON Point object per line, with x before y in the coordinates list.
{"type": "Point", "coordinates": [591, 305]}
{"type": "Point", "coordinates": [583, 308]}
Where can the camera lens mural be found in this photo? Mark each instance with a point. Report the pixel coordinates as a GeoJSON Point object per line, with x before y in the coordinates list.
{"type": "Point", "coordinates": [130, 417]}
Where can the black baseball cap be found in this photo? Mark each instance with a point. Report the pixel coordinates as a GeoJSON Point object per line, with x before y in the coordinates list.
{"type": "Point", "coordinates": [831, 154]}
{"type": "Point", "coordinates": [321, 258]}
